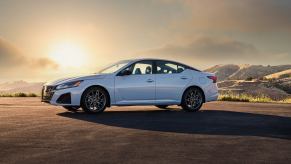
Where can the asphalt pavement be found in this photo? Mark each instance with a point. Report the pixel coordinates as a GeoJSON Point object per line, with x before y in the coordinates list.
{"type": "Point", "coordinates": [222, 132]}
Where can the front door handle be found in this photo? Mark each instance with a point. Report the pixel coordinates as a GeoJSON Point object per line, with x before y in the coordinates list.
{"type": "Point", "coordinates": [150, 80]}
{"type": "Point", "coordinates": [184, 77]}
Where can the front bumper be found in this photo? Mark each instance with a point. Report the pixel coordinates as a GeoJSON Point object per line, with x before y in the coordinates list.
{"type": "Point", "coordinates": [63, 97]}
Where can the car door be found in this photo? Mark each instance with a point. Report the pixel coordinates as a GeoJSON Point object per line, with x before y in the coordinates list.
{"type": "Point", "coordinates": [171, 80]}
{"type": "Point", "coordinates": [137, 86]}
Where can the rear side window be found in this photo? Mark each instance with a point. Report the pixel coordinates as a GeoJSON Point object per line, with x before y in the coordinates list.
{"type": "Point", "coordinates": [166, 67]}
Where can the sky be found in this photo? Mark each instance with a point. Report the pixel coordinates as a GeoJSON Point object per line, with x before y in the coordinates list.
{"type": "Point", "coordinates": [41, 40]}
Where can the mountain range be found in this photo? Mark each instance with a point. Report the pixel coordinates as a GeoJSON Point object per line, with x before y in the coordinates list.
{"type": "Point", "coordinates": [256, 80]}
{"type": "Point", "coordinates": [247, 71]}
{"type": "Point", "coordinates": [21, 86]}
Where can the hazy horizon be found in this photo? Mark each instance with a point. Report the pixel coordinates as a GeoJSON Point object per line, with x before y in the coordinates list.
{"type": "Point", "coordinates": [44, 40]}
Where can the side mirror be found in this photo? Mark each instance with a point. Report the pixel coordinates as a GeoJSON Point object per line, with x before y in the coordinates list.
{"type": "Point", "coordinates": [125, 72]}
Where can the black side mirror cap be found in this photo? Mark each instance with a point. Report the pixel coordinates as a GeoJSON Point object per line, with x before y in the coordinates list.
{"type": "Point", "coordinates": [125, 73]}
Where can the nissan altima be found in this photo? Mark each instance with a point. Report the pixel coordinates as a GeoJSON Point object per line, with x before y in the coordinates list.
{"type": "Point", "coordinates": [134, 82]}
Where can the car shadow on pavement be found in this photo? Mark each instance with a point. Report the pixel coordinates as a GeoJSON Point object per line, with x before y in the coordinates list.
{"type": "Point", "coordinates": [210, 122]}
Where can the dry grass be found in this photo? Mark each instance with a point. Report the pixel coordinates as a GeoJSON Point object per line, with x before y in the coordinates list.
{"type": "Point", "coordinates": [286, 101]}
{"type": "Point", "coordinates": [18, 94]}
{"type": "Point", "coordinates": [249, 98]}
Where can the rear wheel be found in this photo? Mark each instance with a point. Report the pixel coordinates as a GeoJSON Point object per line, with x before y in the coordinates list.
{"type": "Point", "coordinates": [71, 108]}
{"type": "Point", "coordinates": [94, 100]}
{"type": "Point", "coordinates": [192, 99]}
{"type": "Point", "coordinates": [162, 106]}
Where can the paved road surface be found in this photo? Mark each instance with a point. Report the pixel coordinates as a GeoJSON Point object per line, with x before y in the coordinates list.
{"type": "Point", "coordinates": [222, 132]}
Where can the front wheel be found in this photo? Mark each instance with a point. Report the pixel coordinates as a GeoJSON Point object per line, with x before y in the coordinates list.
{"type": "Point", "coordinates": [94, 100]}
{"type": "Point", "coordinates": [192, 99]}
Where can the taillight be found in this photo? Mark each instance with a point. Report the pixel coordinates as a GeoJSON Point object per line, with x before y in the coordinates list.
{"type": "Point", "coordinates": [213, 78]}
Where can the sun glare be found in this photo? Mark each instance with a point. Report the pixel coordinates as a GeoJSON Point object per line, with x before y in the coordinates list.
{"type": "Point", "coordinates": [68, 54]}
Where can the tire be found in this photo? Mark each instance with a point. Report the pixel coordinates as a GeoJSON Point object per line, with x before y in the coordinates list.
{"type": "Point", "coordinates": [71, 108]}
{"type": "Point", "coordinates": [192, 99]}
{"type": "Point", "coordinates": [94, 100]}
{"type": "Point", "coordinates": [162, 106]}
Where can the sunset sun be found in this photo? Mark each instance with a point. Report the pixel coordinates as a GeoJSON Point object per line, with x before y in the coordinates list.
{"type": "Point", "coordinates": [68, 54]}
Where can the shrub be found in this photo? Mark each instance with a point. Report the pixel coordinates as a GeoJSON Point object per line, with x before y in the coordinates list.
{"type": "Point", "coordinates": [249, 98]}
{"type": "Point", "coordinates": [31, 95]}
{"type": "Point", "coordinates": [249, 78]}
{"type": "Point", "coordinates": [244, 98]}
{"type": "Point", "coordinates": [286, 100]}
{"type": "Point", "coordinates": [233, 98]}
{"type": "Point", "coordinates": [18, 94]}
{"type": "Point", "coordinates": [6, 95]}
{"type": "Point", "coordinates": [284, 76]}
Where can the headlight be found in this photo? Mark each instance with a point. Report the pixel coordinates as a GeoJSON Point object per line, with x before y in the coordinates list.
{"type": "Point", "coordinates": [69, 85]}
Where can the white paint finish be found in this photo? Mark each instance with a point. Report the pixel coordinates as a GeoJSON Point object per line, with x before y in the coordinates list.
{"type": "Point", "coordinates": [134, 88]}
{"type": "Point", "coordinates": [137, 90]}
{"type": "Point", "coordinates": [170, 87]}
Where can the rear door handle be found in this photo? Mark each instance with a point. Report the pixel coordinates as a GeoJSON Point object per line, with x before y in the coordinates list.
{"type": "Point", "coordinates": [150, 80]}
{"type": "Point", "coordinates": [184, 77]}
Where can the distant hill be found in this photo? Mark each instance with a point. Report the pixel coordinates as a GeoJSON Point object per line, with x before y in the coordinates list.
{"type": "Point", "coordinates": [282, 74]}
{"type": "Point", "coordinates": [20, 86]}
{"type": "Point", "coordinates": [256, 80]}
{"type": "Point", "coordinates": [242, 72]}
{"type": "Point", "coordinates": [275, 89]}
{"type": "Point", "coordinates": [223, 72]}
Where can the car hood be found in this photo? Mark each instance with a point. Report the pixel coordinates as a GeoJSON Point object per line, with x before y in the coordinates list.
{"type": "Point", "coordinates": [70, 79]}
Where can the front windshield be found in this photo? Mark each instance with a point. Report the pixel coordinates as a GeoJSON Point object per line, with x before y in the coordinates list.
{"type": "Point", "coordinates": [114, 67]}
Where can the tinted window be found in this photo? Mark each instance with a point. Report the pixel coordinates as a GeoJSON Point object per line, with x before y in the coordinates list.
{"type": "Point", "coordinates": [141, 68]}
{"type": "Point", "coordinates": [165, 67]}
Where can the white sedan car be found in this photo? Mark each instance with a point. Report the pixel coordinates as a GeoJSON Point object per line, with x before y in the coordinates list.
{"type": "Point", "coordinates": [135, 82]}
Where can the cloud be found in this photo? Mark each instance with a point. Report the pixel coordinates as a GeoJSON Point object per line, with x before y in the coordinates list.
{"type": "Point", "coordinates": [237, 15]}
{"type": "Point", "coordinates": [9, 55]}
{"type": "Point", "coordinates": [44, 63]}
{"type": "Point", "coordinates": [210, 48]}
{"type": "Point", "coordinates": [14, 62]}
{"type": "Point", "coordinates": [207, 51]}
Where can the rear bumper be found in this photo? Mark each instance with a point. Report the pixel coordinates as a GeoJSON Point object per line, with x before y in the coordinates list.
{"type": "Point", "coordinates": [212, 98]}
{"type": "Point", "coordinates": [211, 93]}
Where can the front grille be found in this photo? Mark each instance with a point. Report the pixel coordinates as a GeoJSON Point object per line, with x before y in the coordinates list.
{"type": "Point", "coordinates": [47, 93]}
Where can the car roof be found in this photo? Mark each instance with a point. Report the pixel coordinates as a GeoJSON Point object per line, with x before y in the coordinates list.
{"type": "Point", "coordinates": [156, 59]}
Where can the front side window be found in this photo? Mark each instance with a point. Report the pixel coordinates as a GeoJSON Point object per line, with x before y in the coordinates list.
{"type": "Point", "coordinates": [140, 68]}
{"type": "Point", "coordinates": [165, 67]}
